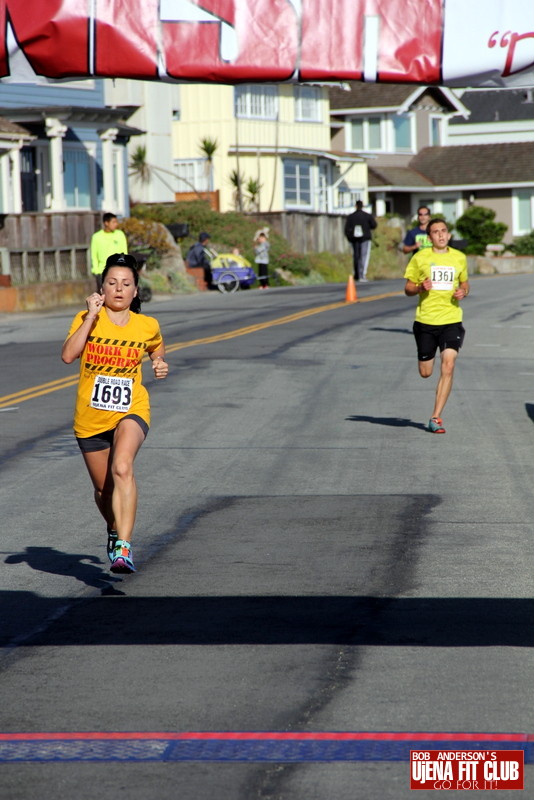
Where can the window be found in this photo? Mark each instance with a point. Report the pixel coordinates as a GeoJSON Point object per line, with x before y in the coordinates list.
{"type": "Point", "coordinates": [524, 218]}
{"type": "Point", "coordinates": [448, 209]}
{"type": "Point", "coordinates": [366, 134]}
{"type": "Point", "coordinates": [256, 101]}
{"type": "Point", "coordinates": [193, 175]}
{"type": "Point", "coordinates": [307, 104]}
{"type": "Point", "coordinates": [402, 132]}
{"type": "Point", "coordinates": [435, 131]}
{"type": "Point", "coordinates": [357, 134]}
{"type": "Point", "coordinates": [77, 177]}
{"type": "Point", "coordinates": [297, 182]}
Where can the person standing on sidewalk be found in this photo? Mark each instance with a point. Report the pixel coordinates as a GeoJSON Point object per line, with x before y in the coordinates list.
{"type": "Point", "coordinates": [104, 243]}
{"type": "Point", "coordinates": [438, 276]}
{"type": "Point", "coordinates": [358, 228]}
{"type": "Point", "coordinates": [261, 258]}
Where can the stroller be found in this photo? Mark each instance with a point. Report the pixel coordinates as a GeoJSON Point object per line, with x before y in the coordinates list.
{"type": "Point", "coordinates": [231, 272]}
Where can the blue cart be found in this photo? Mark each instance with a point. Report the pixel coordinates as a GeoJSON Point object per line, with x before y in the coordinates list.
{"type": "Point", "coordinates": [232, 272]}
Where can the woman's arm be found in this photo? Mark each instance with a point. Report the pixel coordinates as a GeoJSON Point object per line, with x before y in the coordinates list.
{"type": "Point", "coordinates": [76, 342]}
{"type": "Point", "coordinates": [159, 365]}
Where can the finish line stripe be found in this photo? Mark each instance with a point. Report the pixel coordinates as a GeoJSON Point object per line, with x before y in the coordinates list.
{"type": "Point", "coordinates": [247, 746]}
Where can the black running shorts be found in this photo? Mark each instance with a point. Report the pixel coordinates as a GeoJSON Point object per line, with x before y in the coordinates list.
{"type": "Point", "coordinates": [103, 441]}
{"type": "Point", "coordinates": [430, 337]}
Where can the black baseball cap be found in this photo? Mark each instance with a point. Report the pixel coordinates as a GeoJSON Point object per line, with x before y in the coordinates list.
{"type": "Point", "coordinates": [203, 236]}
{"type": "Point", "coordinates": [121, 260]}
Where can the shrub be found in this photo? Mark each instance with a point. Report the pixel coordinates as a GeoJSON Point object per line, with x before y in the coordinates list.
{"type": "Point", "coordinates": [523, 245]}
{"type": "Point", "coordinates": [386, 260]}
{"type": "Point", "coordinates": [294, 262]}
{"type": "Point", "coordinates": [145, 236]}
{"type": "Point", "coordinates": [477, 226]}
{"type": "Point", "coordinates": [334, 267]}
{"type": "Point", "coordinates": [227, 231]}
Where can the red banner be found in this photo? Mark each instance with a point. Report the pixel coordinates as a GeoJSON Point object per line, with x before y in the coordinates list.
{"type": "Point", "coordinates": [483, 42]}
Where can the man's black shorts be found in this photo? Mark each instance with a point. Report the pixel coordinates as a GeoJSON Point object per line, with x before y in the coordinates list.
{"type": "Point", "coordinates": [430, 337]}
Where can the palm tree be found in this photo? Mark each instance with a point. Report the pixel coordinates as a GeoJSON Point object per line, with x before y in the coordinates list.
{"type": "Point", "coordinates": [209, 147]}
{"type": "Point", "coordinates": [236, 179]}
{"type": "Point", "coordinates": [142, 170]}
{"type": "Point", "coordinates": [253, 188]}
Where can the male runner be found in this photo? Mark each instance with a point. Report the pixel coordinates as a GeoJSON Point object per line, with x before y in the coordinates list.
{"type": "Point", "coordinates": [438, 274]}
{"type": "Point", "coordinates": [417, 237]}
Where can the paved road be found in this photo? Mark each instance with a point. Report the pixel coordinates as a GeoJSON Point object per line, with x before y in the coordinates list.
{"type": "Point", "coordinates": [311, 560]}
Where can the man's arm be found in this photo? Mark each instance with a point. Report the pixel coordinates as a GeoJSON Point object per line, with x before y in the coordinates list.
{"type": "Point", "coordinates": [462, 291]}
{"type": "Point", "coordinates": [349, 227]}
{"type": "Point", "coordinates": [413, 288]}
{"type": "Point", "coordinates": [94, 254]}
{"type": "Point", "coordinates": [410, 244]}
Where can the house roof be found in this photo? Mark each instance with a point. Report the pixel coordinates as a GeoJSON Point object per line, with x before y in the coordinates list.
{"type": "Point", "coordinates": [285, 150]}
{"type": "Point", "coordinates": [499, 105]}
{"type": "Point", "coordinates": [369, 95]}
{"type": "Point", "coordinates": [507, 162]}
{"type": "Point", "coordinates": [103, 116]}
{"type": "Point", "coordinates": [10, 129]}
{"type": "Point", "coordinates": [396, 176]}
{"type": "Point", "coordinates": [391, 96]}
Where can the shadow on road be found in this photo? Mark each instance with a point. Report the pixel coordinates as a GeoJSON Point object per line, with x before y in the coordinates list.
{"type": "Point", "coordinates": [395, 422]}
{"type": "Point", "coordinates": [393, 330]}
{"type": "Point", "coordinates": [282, 620]}
{"type": "Point", "coordinates": [530, 410]}
{"type": "Point", "coordinates": [55, 562]}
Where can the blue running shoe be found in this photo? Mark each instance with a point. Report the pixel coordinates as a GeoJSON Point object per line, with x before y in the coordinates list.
{"type": "Point", "coordinates": [435, 425]}
{"type": "Point", "coordinates": [122, 560]}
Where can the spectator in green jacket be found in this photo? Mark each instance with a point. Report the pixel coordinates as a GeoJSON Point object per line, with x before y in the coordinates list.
{"type": "Point", "coordinates": [105, 243]}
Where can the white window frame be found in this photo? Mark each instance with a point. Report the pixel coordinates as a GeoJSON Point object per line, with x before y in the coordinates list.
{"type": "Point", "coordinates": [196, 174]}
{"type": "Point", "coordinates": [366, 134]}
{"type": "Point", "coordinates": [410, 118]}
{"type": "Point", "coordinates": [299, 163]}
{"type": "Point", "coordinates": [308, 104]}
{"type": "Point", "coordinates": [517, 229]}
{"type": "Point", "coordinates": [435, 118]}
{"type": "Point", "coordinates": [256, 101]}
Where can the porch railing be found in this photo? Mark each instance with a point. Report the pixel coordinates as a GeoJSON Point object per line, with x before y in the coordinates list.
{"type": "Point", "coordinates": [47, 264]}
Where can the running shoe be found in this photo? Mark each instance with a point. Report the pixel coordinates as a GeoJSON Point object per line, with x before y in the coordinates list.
{"type": "Point", "coordinates": [435, 425]}
{"type": "Point", "coordinates": [122, 560]}
{"type": "Point", "coordinates": [112, 541]}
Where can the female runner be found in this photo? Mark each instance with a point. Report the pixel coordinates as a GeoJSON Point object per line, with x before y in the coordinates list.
{"type": "Point", "coordinates": [112, 414]}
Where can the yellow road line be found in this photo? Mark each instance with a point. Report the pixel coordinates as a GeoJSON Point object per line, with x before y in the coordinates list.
{"type": "Point", "coordinates": [71, 380]}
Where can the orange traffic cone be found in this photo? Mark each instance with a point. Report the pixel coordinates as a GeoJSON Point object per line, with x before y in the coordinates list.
{"type": "Point", "coordinates": [350, 294]}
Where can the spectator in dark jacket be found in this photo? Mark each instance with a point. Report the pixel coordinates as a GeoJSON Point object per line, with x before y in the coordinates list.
{"type": "Point", "coordinates": [199, 255]}
{"type": "Point", "coordinates": [358, 227]}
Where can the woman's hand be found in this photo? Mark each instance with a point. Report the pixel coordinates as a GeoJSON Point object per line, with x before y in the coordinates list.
{"type": "Point", "coordinates": [94, 303]}
{"type": "Point", "coordinates": [160, 367]}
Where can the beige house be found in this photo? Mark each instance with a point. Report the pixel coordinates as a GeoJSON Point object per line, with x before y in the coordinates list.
{"type": "Point", "coordinates": [391, 124]}
{"type": "Point", "coordinates": [276, 137]}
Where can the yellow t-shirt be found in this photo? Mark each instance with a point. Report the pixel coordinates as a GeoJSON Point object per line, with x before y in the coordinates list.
{"type": "Point", "coordinates": [110, 384]}
{"type": "Point", "coordinates": [446, 271]}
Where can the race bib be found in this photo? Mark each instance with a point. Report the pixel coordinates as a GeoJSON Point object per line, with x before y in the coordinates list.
{"type": "Point", "coordinates": [358, 231]}
{"type": "Point", "coordinates": [442, 278]}
{"type": "Point", "coordinates": [112, 394]}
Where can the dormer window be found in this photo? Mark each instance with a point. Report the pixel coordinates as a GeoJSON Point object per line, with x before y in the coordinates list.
{"type": "Point", "coordinates": [366, 134]}
{"type": "Point", "coordinates": [402, 133]}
